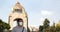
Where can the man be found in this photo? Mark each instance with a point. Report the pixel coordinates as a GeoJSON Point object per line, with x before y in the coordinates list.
{"type": "Point", "coordinates": [19, 27]}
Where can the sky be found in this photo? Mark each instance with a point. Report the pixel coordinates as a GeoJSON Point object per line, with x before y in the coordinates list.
{"type": "Point", "coordinates": [37, 10]}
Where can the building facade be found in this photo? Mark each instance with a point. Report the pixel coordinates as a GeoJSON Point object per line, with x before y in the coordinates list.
{"type": "Point", "coordinates": [18, 12]}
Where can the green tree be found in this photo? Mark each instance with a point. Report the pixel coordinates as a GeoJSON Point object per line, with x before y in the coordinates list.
{"type": "Point", "coordinates": [5, 25]}
{"type": "Point", "coordinates": [57, 28]}
{"type": "Point", "coordinates": [1, 26]}
{"type": "Point", "coordinates": [52, 29]}
{"type": "Point", "coordinates": [40, 28]}
{"type": "Point", "coordinates": [46, 25]}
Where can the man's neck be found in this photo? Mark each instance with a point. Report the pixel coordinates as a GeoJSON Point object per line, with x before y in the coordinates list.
{"type": "Point", "coordinates": [20, 26]}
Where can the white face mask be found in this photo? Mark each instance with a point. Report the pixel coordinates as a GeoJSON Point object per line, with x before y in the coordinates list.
{"type": "Point", "coordinates": [20, 23]}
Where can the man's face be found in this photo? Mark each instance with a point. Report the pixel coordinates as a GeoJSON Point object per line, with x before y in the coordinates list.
{"type": "Point", "coordinates": [20, 23]}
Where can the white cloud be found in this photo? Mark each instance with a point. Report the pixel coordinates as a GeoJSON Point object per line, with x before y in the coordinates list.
{"type": "Point", "coordinates": [46, 12]}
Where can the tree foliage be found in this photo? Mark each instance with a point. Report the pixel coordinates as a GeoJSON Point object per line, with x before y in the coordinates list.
{"type": "Point", "coordinates": [40, 28]}
{"type": "Point", "coordinates": [4, 25]}
{"type": "Point", "coordinates": [46, 23]}
{"type": "Point", "coordinates": [47, 28]}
